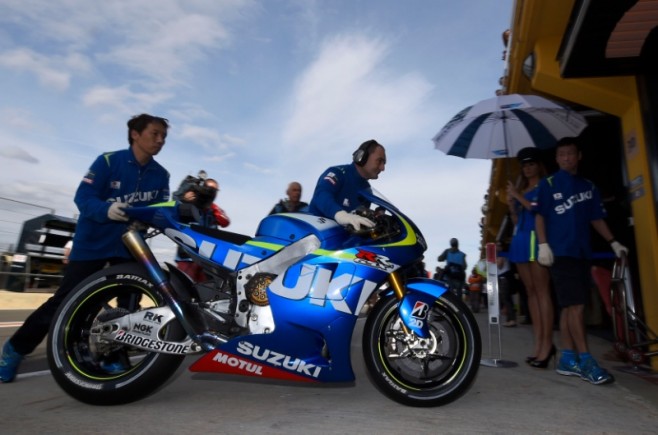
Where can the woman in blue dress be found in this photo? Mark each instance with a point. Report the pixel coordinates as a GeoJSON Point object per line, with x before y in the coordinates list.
{"type": "Point", "coordinates": [523, 252]}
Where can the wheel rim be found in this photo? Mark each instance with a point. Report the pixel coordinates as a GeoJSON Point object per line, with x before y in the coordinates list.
{"type": "Point", "coordinates": [422, 364]}
{"type": "Point", "coordinates": [83, 353]}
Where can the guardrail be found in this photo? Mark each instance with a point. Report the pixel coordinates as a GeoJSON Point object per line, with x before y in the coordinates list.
{"type": "Point", "coordinates": [29, 279]}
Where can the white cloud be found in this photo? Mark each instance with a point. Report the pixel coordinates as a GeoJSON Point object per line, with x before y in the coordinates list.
{"type": "Point", "coordinates": [13, 152]}
{"type": "Point", "coordinates": [218, 158]}
{"type": "Point", "coordinates": [24, 60]}
{"type": "Point", "coordinates": [350, 91]}
{"type": "Point", "coordinates": [123, 100]}
{"type": "Point", "coordinates": [258, 169]}
{"type": "Point", "coordinates": [209, 138]}
{"type": "Point", "coordinates": [189, 112]}
{"type": "Point", "coordinates": [19, 119]}
{"type": "Point", "coordinates": [158, 42]}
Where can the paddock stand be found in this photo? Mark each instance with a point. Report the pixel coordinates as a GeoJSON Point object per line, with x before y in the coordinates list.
{"type": "Point", "coordinates": [494, 360]}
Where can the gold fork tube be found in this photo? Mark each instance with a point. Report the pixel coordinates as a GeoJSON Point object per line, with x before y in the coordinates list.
{"type": "Point", "coordinates": [394, 280]}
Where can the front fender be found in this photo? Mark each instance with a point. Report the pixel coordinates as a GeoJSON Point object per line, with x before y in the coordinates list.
{"type": "Point", "coordinates": [421, 293]}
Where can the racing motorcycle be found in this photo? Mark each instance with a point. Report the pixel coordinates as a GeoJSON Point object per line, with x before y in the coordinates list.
{"type": "Point", "coordinates": [282, 304]}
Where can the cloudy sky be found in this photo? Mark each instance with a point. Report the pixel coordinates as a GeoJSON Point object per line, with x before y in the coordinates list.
{"type": "Point", "coordinates": [258, 93]}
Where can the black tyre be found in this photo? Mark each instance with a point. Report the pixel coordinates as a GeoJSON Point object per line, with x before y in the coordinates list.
{"type": "Point", "coordinates": [418, 372]}
{"type": "Point", "coordinates": [77, 363]}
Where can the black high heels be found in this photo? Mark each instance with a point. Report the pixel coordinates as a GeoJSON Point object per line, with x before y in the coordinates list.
{"type": "Point", "coordinates": [530, 359]}
{"type": "Point", "coordinates": [543, 363]}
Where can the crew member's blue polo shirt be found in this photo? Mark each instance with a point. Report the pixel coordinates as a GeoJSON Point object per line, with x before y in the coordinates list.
{"type": "Point", "coordinates": [569, 203]}
{"type": "Point", "coordinates": [337, 189]}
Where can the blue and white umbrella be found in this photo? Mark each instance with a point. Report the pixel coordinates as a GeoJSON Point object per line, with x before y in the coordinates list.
{"type": "Point", "coordinates": [499, 127]}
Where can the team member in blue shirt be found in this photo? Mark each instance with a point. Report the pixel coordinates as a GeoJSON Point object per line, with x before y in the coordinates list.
{"type": "Point", "coordinates": [455, 270]}
{"type": "Point", "coordinates": [336, 193]}
{"type": "Point", "coordinates": [116, 180]}
{"type": "Point", "coordinates": [566, 206]}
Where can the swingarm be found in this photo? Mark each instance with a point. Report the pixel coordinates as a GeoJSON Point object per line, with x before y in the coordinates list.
{"type": "Point", "coordinates": [141, 329]}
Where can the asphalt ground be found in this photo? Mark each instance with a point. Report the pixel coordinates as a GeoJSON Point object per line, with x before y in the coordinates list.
{"type": "Point", "coordinates": [507, 397]}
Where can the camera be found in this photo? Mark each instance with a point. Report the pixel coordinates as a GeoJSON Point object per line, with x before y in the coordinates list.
{"type": "Point", "coordinates": [205, 195]}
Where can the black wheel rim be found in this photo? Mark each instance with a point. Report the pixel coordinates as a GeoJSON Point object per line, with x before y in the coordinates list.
{"type": "Point", "coordinates": [82, 353]}
{"type": "Point", "coordinates": [427, 364]}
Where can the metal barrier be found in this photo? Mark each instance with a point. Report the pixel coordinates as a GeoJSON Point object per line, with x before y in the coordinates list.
{"type": "Point", "coordinates": [634, 340]}
{"type": "Point", "coordinates": [28, 281]}
{"type": "Point", "coordinates": [32, 240]}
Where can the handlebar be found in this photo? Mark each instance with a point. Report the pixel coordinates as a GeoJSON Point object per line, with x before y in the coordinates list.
{"type": "Point", "coordinates": [386, 225]}
{"type": "Point", "coordinates": [620, 266]}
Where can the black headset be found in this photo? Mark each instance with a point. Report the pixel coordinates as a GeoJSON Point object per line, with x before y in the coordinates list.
{"type": "Point", "coordinates": [360, 156]}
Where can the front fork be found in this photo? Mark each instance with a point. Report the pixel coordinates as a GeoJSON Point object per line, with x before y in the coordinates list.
{"type": "Point", "coordinates": [143, 254]}
{"type": "Point", "coordinates": [416, 298]}
{"type": "Point", "coordinates": [398, 290]}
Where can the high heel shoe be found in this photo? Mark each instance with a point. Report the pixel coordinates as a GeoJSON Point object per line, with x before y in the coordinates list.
{"type": "Point", "coordinates": [530, 359]}
{"type": "Point", "coordinates": [543, 363]}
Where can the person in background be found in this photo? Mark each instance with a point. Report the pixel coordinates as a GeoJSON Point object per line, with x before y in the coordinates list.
{"type": "Point", "coordinates": [505, 285]}
{"type": "Point", "coordinates": [454, 271]}
{"type": "Point", "coordinates": [115, 181]}
{"type": "Point", "coordinates": [475, 285]}
{"type": "Point", "coordinates": [336, 193]}
{"type": "Point", "coordinates": [523, 253]}
{"type": "Point", "coordinates": [567, 204]}
{"type": "Point", "coordinates": [438, 273]}
{"type": "Point", "coordinates": [201, 192]}
{"type": "Point", "coordinates": [67, 251]}
{"type": "Point", "coordinates": [294, 203]}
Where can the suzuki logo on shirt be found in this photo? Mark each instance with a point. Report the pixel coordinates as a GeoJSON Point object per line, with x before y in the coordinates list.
{"type": "Point", "coordinates": [317, 284]}
{"type": "Point", "coordinates": [573, 199]}
{"type": "Point", "coordinates": [136, 197]}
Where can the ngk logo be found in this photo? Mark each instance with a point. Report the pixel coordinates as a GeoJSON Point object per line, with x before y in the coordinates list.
{"type": "Point", "coordinates": [144, 329]}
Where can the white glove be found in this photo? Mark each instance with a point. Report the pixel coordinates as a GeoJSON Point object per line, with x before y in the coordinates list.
{"type": "Point", "coordinates": [344, 218]}
{"type": "Point", "coordinates": [116, 212]}
{"type": "Point", "coordinates": [618, 248]}
{"type": "Point", "coordinates": [545, 255]}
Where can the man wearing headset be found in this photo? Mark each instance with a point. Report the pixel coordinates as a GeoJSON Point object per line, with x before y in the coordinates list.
{"type": "Point", "coordinates": [336, 193]}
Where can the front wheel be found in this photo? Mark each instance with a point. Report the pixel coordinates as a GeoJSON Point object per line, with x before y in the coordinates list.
{"type": "Point", "coordinates": [101, 372]}
{"type": "Point", "coordinates": [422, 372]}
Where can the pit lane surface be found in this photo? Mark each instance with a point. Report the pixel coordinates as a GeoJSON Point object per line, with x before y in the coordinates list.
{"type": "Point", "coordinates": [502, 400]}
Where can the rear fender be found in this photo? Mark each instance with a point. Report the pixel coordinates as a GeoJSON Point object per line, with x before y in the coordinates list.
{"type": "Point", "coordinates": [420, 295]}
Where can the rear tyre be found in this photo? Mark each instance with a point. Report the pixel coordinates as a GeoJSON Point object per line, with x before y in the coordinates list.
{"type": "Point", "coordinates": [423, 372]}
{"type": "Point", "coordinates": [108, 373]}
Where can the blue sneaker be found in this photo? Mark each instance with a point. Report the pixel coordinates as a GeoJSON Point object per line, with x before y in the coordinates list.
{"type": "Point", "coordinates": [9, 362]}
{"type": "Point", "coordinates": [113, 368]}
{"type": "Point", "coordinates": [568, 367]}
{"type": "Point", "coordinates": [116, 362]}
{"type": "Point", "coordinates": [594, 374]}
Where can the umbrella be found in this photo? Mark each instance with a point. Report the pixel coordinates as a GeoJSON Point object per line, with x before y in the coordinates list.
{"type": "Point", "coordinates": [501, 126]}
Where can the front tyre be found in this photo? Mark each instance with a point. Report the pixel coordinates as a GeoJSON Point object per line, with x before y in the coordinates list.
{"type": "Point", "coordinates": [108, 373]}
{"type": "Point", "coordinates": [422, 372]}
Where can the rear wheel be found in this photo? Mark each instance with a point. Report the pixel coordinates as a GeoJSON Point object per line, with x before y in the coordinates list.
{"type": "Point", "coordinates": [108, 373]}
{"type": "Point", "coordinates": [423, 372]}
